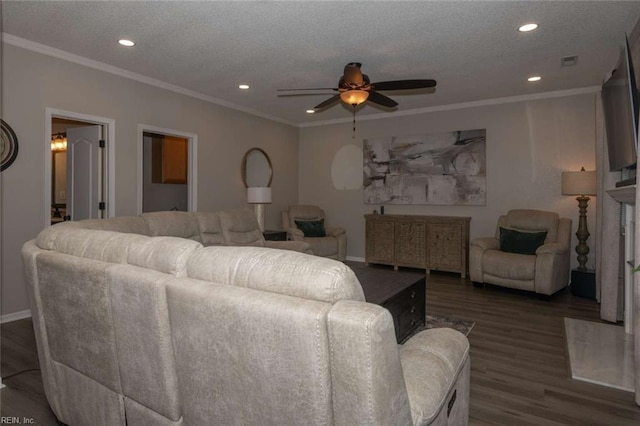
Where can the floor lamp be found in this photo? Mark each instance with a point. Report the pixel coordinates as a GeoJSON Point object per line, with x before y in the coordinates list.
{"type": "Point", "coordinates": [259, 196]}
{"type": "Point", "coordinates": [582, 184]}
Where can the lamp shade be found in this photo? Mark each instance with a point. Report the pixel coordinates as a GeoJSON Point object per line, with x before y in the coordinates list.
{"type": "Point", "coordinates": [259, 195]}
{"type": "Point", "coordinates": [579, 183]}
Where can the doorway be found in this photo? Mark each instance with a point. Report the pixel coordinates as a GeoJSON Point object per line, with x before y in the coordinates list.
{"type": "Point", "coordinates": [166, 178]}
{"type": "Point", "coordinates": [78, 167]}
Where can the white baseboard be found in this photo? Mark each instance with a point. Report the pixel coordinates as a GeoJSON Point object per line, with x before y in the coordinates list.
{"type": "Point", "coordinates": [15, 316]}
{"type": "Point", "coordinates": [355, 259]}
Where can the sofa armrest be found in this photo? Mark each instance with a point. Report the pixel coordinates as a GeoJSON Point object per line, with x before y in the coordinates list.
{"type": "Point", "coordinates": [334, 231]}
{"type": "Point", "coordinates": [440, 353]}
{"type": "Point", "coordinates": [488, 243]}
{"type": "Point", "coordinates": [300, 246]}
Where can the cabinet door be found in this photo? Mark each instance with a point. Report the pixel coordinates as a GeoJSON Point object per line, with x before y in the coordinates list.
{"type": "Point", "coordinates": [446, 247]}
{"type": "Point", "coordinates": [379, 238]}
{"type": "Point", "coordinates": [411, 246]}
{"type": "Point", "coordinates": [170, 156]}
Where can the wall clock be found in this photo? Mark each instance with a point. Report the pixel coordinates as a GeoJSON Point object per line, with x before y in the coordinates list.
{"type": "Point", "coordinates": [8, 145]}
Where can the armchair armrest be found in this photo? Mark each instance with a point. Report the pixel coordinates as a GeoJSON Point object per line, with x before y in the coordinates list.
{"type": "Point", "coordinates": [295, 234]}
{"type": "Point", "coordinates": [300, 246]}
{"type": "Point", "coordinates": [551, 248]}
{"type": "Point", "coordinates": [334, 231]}
{"type": "Point", "coordinates": [488, 243]}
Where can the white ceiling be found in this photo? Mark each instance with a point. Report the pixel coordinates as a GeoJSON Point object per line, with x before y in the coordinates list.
{"type": "Point", "coordinates": [472, 48]}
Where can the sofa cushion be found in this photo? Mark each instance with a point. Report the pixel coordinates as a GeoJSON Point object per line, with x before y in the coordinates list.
{"type": "Point", "coordinates": [521, 242]}
{"type": "Point", "coordinates": [277, 271]}
{"type": "Point", "coordinates": [173, 224]}
{"type": "Point", "coordinates": [127, 224]}
{"type": "Point", "coordinates": [311, 228]}
{"type": "Point", "coordinates": [210, 228]}
{"type": "Point", "coordinates": [240, 228]}
{"type": "Point", "coordinates": [106, 246]}
{"type": "Point", "coordinates": [163, 254]}
{"type": "Point", "coordinates": [509, 265]}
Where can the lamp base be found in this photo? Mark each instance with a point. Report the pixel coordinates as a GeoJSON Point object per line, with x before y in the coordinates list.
{"type": "Point", "coordinates": [259, 209]}
{"type": "Point", "coordinates": [583, 283]}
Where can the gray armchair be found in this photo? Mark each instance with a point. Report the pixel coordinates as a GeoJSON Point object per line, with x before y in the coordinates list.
{"type": "Point", "coordinates": [333, 244]}
{"type": "Point", "coordinates": [545, 271]}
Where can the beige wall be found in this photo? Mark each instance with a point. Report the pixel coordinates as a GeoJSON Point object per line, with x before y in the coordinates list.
{"type": "Point", "coordinates": [529, 144]}
{"type": "Point", "coordinates": [32, 82]}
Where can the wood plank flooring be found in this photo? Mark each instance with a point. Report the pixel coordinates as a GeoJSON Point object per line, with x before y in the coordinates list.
{"type": "Point", "coordinates": [519, 362]}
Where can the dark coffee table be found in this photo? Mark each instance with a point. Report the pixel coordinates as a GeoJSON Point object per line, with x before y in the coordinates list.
{"type": "Point", "coordinates": [401, 292]}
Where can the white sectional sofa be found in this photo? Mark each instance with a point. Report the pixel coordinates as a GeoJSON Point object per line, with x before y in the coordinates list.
{"type": "Point", "coordinates": [137, 329]}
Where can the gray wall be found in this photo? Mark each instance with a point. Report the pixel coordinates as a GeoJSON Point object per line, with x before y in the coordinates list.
{"type": "Point", "coordinates": [529, 144]}
{"type": "Point", "coordinates": [32, 82]}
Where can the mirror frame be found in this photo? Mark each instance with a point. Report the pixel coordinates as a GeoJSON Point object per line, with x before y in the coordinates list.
{"type": "Point", "coordinates": [244, 166]}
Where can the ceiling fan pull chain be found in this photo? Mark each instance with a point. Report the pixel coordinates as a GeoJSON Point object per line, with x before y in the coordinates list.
{"type": "Point", "coordinates": [354, 122]}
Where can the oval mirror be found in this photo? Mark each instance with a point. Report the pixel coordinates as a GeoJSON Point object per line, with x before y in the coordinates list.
{"type": "Point", "coordinates": [256, 169]}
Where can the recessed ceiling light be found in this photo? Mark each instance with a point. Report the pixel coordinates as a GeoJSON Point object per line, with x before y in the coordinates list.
{"type": "Point", "coordinates": [126, 42]}
{"type": "Point", "coordinates": [243, 86]}
{"type": "Point", "coordinates": [534, 78]}
{"type": "Point", "coordinates": [311, 111]}
{"type": "Point", "coordinates": [528, 27]}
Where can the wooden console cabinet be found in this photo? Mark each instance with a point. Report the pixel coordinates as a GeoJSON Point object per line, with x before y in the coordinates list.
{"type": "Point", "coordinates": [431, 242]}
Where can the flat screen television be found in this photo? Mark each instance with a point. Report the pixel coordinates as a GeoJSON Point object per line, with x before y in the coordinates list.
{"type": "Point", "coordinates": [620, 105]}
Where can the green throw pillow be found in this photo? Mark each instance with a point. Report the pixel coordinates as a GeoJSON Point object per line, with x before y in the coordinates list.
{"type": "Point", "coordinates": [312, 228]}
{"type": "Point", "coordinates": [520, 242]}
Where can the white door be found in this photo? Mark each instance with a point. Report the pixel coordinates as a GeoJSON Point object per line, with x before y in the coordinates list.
{"type": "Point", "coordinates": [84, 173]}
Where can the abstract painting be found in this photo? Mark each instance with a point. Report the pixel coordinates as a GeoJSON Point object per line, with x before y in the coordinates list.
{"type": "Point", "coordinates": [432, 169]}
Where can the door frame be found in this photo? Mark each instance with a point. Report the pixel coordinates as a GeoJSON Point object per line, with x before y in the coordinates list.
{"type": "Point", "coordinates": [192, 172]}
{"type": "Point", "coordinates": [110, 156]}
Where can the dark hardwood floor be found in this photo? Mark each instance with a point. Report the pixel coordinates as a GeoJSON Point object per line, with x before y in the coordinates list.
{"type": "Point", "coordinates": [519, 362]}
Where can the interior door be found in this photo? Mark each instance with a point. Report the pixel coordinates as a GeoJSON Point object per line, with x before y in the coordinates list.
{"type": "Point", "coordinates": [84, 173]}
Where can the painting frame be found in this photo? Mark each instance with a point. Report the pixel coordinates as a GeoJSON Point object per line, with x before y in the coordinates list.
{"type": "Point", "coordinates": [444, 168]}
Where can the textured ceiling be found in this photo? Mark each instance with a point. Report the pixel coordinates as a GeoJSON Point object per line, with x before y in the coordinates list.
{"type": "Point", "coordinates": [473, 48]}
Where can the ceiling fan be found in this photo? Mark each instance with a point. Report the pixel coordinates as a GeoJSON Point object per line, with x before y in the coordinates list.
{"type": "Point", "coordinates": [355, 88]}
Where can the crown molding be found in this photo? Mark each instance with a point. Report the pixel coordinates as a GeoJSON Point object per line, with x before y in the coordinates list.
{"type": "Point", "coordinates": [101, 66]}
{"type": "Point", "coordinates": [463, 105]}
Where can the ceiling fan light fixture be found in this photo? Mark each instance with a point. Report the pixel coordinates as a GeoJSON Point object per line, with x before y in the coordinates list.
{"type": "Point", "coordinates": [354, 97]}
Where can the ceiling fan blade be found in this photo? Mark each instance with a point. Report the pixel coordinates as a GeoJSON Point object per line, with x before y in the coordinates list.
{"type": "Point", "coordinates": [313, 88]}
{"type": "Point", "coordinates": [380, 99]}
{"type": "Point", "coordinates": [404, 84]}
{"type": "Point", "coordinates": [289, 95]}
{"type": "Point", "coordinates": [332, 100]}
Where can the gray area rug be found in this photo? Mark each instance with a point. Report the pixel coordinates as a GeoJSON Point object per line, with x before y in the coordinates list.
{"type": "Point", "coordinates": [441, 321]}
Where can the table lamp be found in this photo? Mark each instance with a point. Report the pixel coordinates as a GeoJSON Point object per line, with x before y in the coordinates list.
{"type": "Point", "coordinates": [582, 184]}
{"type": "Point", "coordinates": [259, 196]}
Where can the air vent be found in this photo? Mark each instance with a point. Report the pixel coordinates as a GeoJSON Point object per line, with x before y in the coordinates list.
{"type": "Point", "coordinates": [569, 61]}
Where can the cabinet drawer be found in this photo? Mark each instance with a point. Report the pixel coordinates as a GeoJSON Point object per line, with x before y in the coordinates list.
{"type": "Point", "coordinates": [407, 309]}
